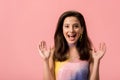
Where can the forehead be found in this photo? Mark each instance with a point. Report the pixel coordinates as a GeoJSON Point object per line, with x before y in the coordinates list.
{"type": "Point", "coordinates": [71, 19]}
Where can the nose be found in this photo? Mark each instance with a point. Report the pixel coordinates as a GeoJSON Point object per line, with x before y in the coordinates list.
{"type": "Point", "coordinates": [71, 29]}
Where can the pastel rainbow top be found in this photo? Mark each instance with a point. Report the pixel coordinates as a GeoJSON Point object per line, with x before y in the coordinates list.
{"type": "Point", "coordinates": [67, 70]}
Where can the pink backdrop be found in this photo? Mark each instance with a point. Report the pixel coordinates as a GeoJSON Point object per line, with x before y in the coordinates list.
{"type": "Point", "coordinates": [24, 23]}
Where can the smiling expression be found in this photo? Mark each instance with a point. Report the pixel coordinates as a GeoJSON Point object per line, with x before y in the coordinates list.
{"type": "Point", "coordinates": [72, 29]}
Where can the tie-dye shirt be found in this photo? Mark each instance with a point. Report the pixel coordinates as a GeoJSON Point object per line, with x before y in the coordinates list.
{"type": "Point", "coordinates": [72, 70]}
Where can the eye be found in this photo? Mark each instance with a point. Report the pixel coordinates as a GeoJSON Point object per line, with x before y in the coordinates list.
{"type": "Point", "coordinates": [76, 26]}
{"type": "Point", "coordinates": [66, 26]}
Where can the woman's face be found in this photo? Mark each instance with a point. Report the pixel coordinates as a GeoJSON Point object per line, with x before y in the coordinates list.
{"type": "Point", "coordinates": [72, 29]}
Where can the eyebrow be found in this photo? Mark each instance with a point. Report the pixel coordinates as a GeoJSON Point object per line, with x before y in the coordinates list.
{"type": "Point", "coordinates": [73, 24]}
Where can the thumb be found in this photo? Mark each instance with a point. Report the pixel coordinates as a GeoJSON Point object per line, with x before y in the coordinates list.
{"type": "Point", "coordinates": [93, 50]}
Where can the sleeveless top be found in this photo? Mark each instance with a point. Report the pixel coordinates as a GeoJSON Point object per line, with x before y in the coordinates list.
{"type": "Point", "coordinates": [67, 70]}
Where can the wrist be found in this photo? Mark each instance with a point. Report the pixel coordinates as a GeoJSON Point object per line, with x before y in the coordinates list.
{"type": "Point", "coordinates": [96, 61]}
{"type": "Point", "coordinates": [45, 60]}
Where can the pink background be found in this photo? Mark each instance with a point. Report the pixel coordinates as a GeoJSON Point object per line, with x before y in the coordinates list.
{"type": "Point", "coordinates": [24, 23]}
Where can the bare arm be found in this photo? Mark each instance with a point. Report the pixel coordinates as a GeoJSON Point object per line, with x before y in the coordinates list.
{"type": "Point", "coordinates": [95, 61]}
{"type": "Point", "coordinates": [48, 65]}
{"type": "Point", "coordinates": [94, 70]}
{"type": "Point", "coordinates": [48, 71]}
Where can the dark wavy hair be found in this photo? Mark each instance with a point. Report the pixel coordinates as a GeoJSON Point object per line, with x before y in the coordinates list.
{"type": "Point", "coordinates": [61, 46]}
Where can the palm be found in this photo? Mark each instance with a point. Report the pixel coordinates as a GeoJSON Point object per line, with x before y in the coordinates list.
{"type": "Point", "coordinates": [44, 53]}
{"type": "Point", "coordinates": [97, 55]}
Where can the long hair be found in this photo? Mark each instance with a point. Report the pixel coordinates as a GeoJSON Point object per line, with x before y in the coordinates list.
{"type": "Point", "coordinates": [61, 46]}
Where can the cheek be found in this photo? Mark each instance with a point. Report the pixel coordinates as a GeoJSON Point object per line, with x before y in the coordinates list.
{"type": "Point", "coordinates": [64, 31]}
{"type": "Point", "coordinates": [78, 32]}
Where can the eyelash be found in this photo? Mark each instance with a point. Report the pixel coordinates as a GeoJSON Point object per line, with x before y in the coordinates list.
{"type": "Point", "coordinates": [76, 26]}
{"type": "Point", "coordinates": [66, 26]}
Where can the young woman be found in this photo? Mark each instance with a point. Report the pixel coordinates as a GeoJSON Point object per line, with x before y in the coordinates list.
{"type": "Point", "coordinates": [73, 57]}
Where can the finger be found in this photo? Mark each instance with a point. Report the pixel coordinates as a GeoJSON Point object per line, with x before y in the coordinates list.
{"type": "Point", "coordinates": [44, 45]}
{"type": "Point", "coordinates": [41, 54]}
{"type": "Point", "coordinates": [104, 47]}
{"type": "Point", "coordinates": [93, 50]}
{"type": "Point", "coordinates": [39, 46]}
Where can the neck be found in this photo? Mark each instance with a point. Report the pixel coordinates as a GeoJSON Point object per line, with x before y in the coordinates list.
{"type": "Point", "coordinates": [72, 45]}
{"type": "Point", "coordinates": [73, 53]}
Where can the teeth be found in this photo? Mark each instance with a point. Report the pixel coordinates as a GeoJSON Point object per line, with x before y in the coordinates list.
{"type": "Point", "coordinates": [72, 35]}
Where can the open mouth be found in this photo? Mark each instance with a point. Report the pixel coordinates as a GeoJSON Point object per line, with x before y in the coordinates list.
{"type": "Point", "coordinates": [71, 37]}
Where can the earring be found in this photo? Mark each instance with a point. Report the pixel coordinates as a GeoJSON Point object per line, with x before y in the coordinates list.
{"type": "Point", "coordinates": [80, 37]}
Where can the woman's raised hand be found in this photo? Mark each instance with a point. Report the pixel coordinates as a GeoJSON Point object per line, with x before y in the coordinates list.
{"type": "Point", "coordinates": [98, 54]}
{"type": "Point", "coordinates": [43, 51]}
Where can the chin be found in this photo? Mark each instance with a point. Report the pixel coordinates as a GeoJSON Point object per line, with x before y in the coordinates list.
{"type": "Point", "coordinates": [72, 42]}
